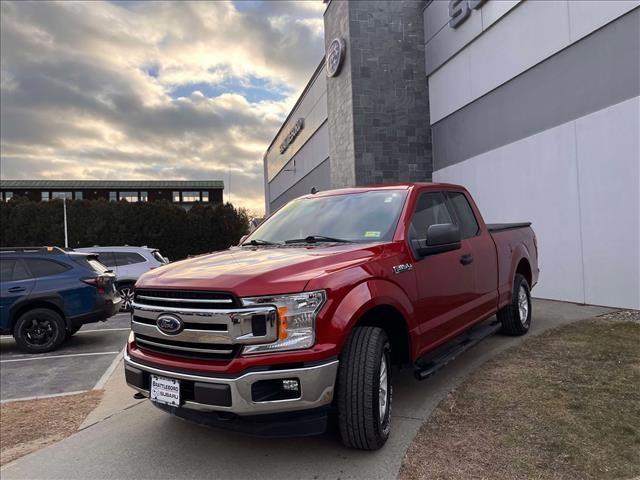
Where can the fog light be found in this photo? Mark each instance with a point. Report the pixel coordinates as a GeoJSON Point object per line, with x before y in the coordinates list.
{"type": "Point", "coordinates": [291, 385]}
{"type": "Point", "coordinates": [275, 389]}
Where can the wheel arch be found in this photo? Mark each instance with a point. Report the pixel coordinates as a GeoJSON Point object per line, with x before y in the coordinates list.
{"type": "Point", "coordinates": [524, 268]}
{"type": "Point", "coordinates": [378, 303]}
{"type": "Point", "coordinates": [32, 305]}
{"type": "Point", "coordinates": [394, 324]}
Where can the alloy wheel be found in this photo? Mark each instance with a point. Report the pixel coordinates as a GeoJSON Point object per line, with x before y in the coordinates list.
{"type": "Point", "coordinates": [383, 393]}
{"type": "Point", "coordinates": [126, 293]}
{"type": "Point", "coordinates": [523, 305]}
{"type": "Point", "coordinates": [40, 332]}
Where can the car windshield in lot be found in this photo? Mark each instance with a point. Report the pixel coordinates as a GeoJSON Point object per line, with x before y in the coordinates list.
{"type": "Point", "coordinates": [354, 217]}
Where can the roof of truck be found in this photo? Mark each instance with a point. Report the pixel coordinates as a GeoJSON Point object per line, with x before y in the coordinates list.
{"type": "Point", "coordinates": [387, 186]}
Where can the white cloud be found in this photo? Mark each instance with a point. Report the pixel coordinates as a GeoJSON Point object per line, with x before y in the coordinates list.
{"type": "Point", "coordinates": [88, 89]}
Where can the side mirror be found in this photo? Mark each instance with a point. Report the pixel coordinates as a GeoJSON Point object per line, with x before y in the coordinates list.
{"type": "Point", "coordinates": [242, 239]}
{"type": "Point", "coordinates": [441, 237]}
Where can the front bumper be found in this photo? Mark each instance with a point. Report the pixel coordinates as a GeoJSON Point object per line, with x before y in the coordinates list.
{"type": "Point", "coordinates": [234, 394]}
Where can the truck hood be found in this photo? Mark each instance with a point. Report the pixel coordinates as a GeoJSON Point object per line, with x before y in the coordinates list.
{"type": "Point", "coordinates": [260, 270]}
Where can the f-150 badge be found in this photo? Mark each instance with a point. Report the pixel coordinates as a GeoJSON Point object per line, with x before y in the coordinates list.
{"type": "Point", "coordinates": [403, 267]}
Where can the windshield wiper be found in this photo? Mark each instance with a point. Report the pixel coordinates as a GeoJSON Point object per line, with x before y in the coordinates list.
{"type": "Point", "coordinates": [258, 241]}
{"type": "Point", "coordinates": [317, 238]}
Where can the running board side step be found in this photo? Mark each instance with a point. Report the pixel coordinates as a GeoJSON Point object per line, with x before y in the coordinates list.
{"type": "Point", "coordinates": [454, 348]}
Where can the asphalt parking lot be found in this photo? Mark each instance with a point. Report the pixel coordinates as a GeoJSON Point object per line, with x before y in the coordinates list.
{"type": "Point", "coordinates": [79, 365]}
{"type": "Point", "coordinates": [143, 442]}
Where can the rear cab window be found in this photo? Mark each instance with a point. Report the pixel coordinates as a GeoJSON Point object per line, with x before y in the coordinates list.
{"type": "Point", "coordinates": [466, 219]}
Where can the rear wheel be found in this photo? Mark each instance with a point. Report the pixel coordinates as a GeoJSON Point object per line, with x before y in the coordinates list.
{"type": "Point", "coordinates": [516, 317]}
{"type": "Point", "coordinates": [39, 330]}
{"type": "Point", "coordinates": [126, 293]}
{"type": "Point", "coordinates": [364, 389]}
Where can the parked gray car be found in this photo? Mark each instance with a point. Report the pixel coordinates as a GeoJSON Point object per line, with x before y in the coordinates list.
{"type": "Point", "coordinates": [128, 263]}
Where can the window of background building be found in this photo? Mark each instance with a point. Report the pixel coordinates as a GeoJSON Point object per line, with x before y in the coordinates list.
{"type": "Point", "coordinates": [205, 196]}
{"type": "Point", "coordinates": [144, 196]}
{"type": "Point", "coordinates": [45, 197]}
{"type": "Point", "coordinates": [113, 196]}
{"type": "Point", "coordinates": [77, 195]}
{"type": "Point", "coordinates": [129, 196]}
{"type": "Point", "coordinates": [176, 196]}
{"type": "Point", "coordinates": [61, 195]}
{"type": "Point", "coordinates": [7, 196]}
{"type": "Point", "coordinates": [190, 196]}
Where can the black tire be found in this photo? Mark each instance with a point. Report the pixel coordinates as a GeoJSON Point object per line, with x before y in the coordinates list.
{"type": "Point", "coordinates": [358, 394]}
{"type": "Point", "coordinates": [513, 319]}
{"type": "Point", "coordinates": [73, 330]}
{"type": "Point", "coordinates": [125, 291]}
{"type": "Point", "coordinates": [39, 330]}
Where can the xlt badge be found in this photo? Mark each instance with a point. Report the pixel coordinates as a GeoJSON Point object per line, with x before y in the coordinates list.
{"type": "Point", "coordinates": [403, 267]}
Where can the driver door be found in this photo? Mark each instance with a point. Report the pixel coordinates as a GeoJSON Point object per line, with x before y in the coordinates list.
{"type": "Point", "coordinates": [445, 285]}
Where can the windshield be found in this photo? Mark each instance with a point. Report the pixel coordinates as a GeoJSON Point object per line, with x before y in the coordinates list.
{"type": "Point", "coordinates": [357, 217]}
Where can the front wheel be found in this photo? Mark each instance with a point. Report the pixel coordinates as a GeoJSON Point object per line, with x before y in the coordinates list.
{"type": "Point", "coordinates": [365, 390]}
{"type": "Point", "coordinates": [516, 317]}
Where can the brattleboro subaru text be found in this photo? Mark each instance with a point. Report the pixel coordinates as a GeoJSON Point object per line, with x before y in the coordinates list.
{"type": "Point", "coordinates": [304, 320]}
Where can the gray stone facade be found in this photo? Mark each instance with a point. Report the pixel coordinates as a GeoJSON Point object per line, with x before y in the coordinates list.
{"type": "Point", "coordinates": [378, 106]}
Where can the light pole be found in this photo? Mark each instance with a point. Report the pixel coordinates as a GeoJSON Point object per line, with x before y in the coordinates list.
{"type": "Point", "coordinates": [64, 209]}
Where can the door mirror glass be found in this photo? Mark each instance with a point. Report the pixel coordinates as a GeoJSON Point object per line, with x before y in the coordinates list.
{"type": "Point", "coordinates": [441, 237]}
{"type": "Point", "coordinates": [242, 239]}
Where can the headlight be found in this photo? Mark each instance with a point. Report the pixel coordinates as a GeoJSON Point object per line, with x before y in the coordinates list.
{"type": "Point", "coordinates": [296, 320]}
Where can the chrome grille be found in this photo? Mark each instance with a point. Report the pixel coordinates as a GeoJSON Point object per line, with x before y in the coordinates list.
{"type": "Point", "coordinates": [213, 324]}
{"type": "Point", "coordinates": [189, 299]}
{"type": "Point", "coordinates": [186, 349]}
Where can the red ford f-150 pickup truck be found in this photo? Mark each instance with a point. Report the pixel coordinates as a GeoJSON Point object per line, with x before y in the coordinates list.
{"type": "Point", "coordinates": [306, 317]}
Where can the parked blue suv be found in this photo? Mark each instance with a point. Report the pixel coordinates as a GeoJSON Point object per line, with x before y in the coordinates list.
{"type": "Point", "coordinates": [47, 294]}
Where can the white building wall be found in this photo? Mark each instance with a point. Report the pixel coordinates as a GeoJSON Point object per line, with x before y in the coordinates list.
{"type": "Point", "coordinates": [578, 184]}
{"type": "Point", "coordinates": [527, 33]}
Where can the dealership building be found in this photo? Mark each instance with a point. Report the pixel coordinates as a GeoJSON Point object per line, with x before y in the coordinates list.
{"type": "Point", "coordinates": [533, 105]}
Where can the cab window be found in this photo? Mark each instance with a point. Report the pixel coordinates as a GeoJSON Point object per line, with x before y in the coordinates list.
{"type": "Point", "coordinates": [466, 220]}
{"type": "Point", "coordinates": [431, 209]}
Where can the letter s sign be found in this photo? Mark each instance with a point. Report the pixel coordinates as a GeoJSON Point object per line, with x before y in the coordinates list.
{"type": "Point", "coordinates": [459, 10]}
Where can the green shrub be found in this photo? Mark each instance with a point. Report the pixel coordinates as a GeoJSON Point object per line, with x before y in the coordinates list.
{"type": "Point", "coordinates": [176, 232]}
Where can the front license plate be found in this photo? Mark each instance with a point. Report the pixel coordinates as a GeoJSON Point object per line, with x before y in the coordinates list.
{"type": "Point", "coordinates": [165, 390]}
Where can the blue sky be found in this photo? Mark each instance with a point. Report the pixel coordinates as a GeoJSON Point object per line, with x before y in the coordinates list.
{"type": "Point", "coordinates": [151, 90]}
{"type": "Point", "coordinates": [252, 88]}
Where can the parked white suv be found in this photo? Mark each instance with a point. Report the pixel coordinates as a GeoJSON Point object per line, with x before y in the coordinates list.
{"type": "Point", "coordinates": [128, 263]}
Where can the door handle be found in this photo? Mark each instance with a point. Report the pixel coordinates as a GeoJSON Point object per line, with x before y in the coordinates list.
{"type": "Point", "coordinates": [466, 259]}
{"type": "Point", "coordinates": [16, 289]}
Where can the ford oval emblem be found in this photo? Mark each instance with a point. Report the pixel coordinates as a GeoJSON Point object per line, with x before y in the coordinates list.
{"type": "Point", "coordinates": [170, 324]}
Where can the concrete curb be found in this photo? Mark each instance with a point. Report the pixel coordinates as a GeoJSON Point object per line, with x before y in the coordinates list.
{"type": "Point", "coordinates": [117, 395]}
